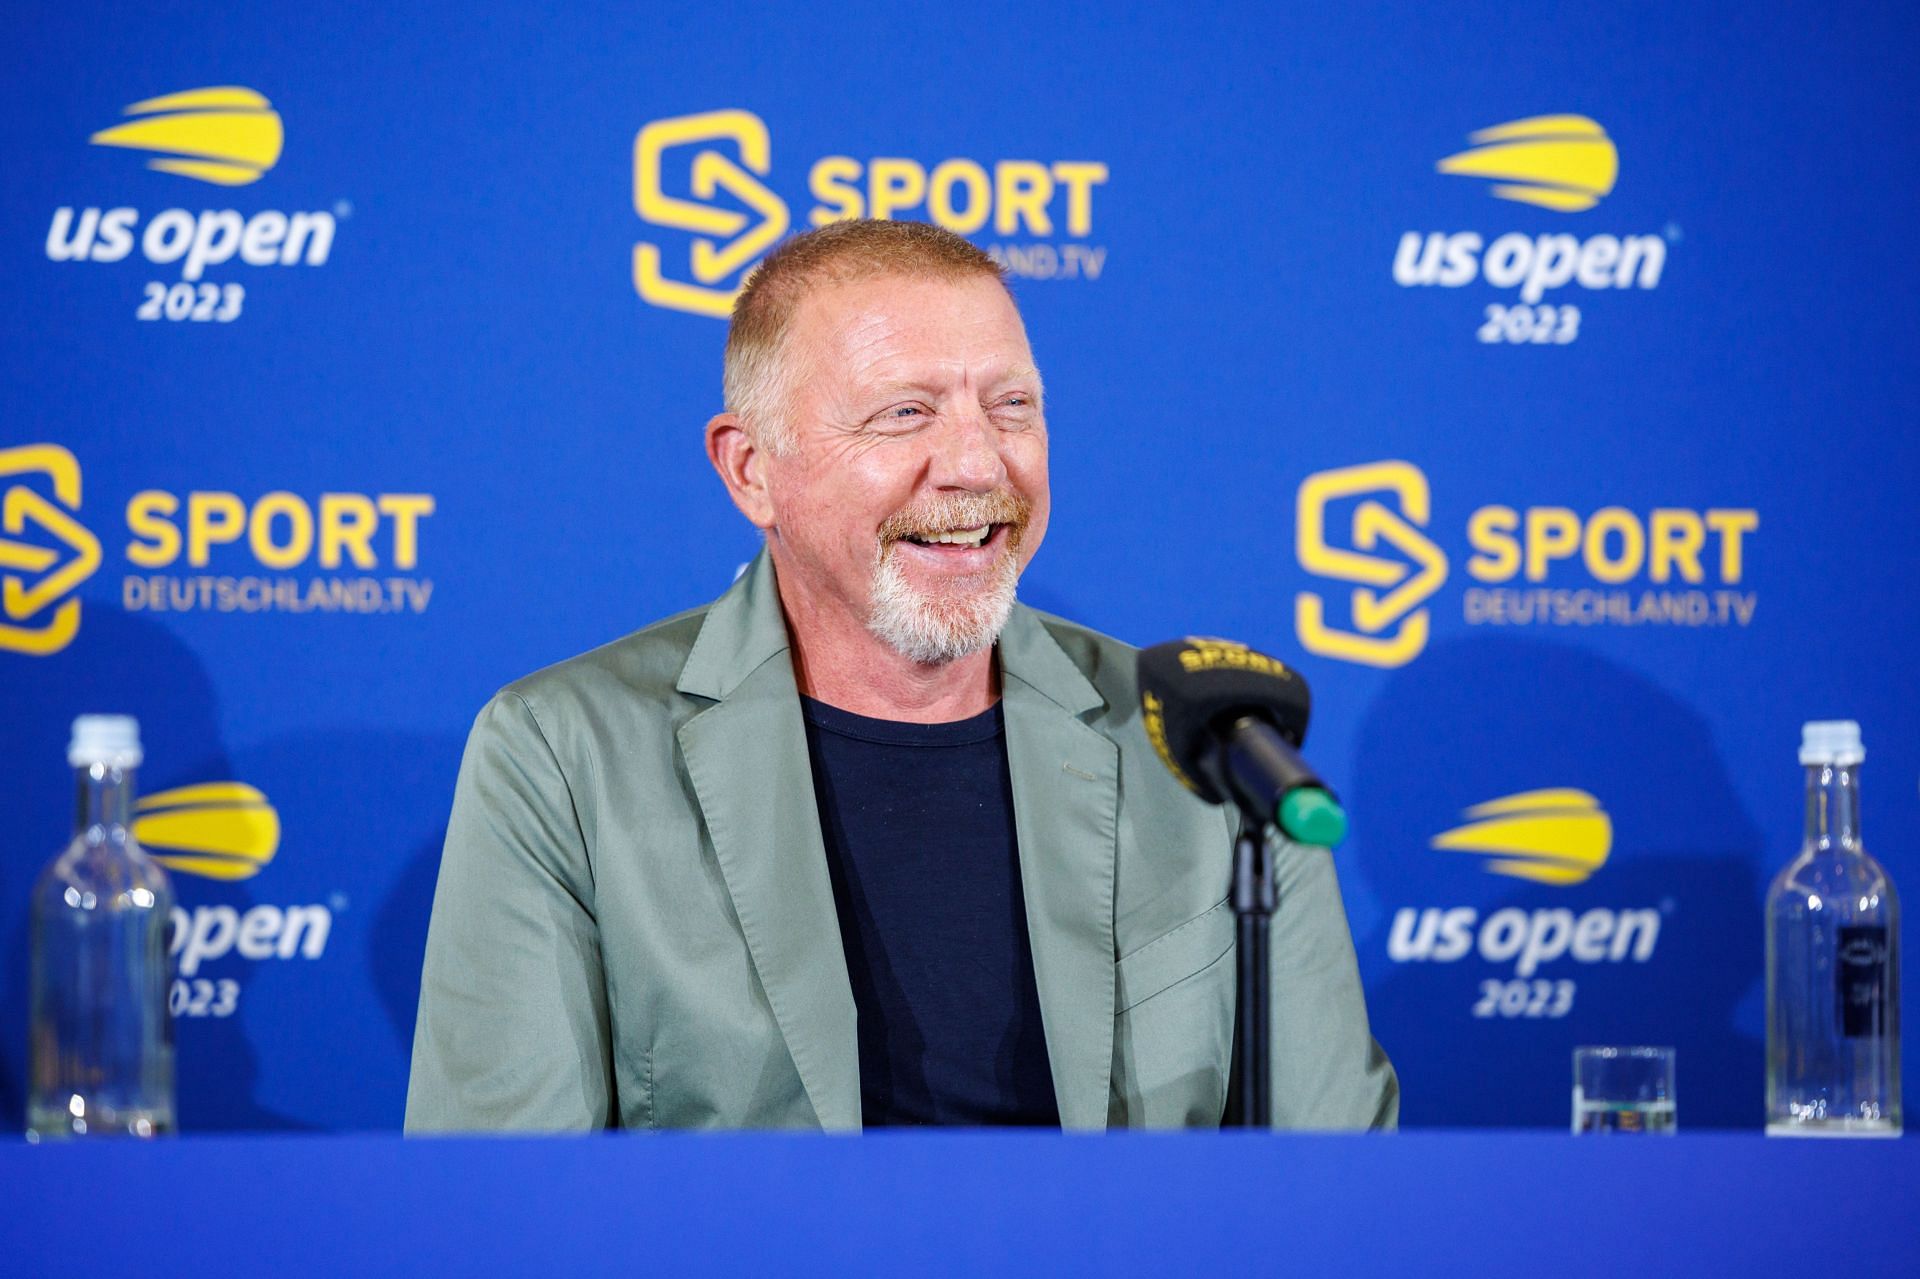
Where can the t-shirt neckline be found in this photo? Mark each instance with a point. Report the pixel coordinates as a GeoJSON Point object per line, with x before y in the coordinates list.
{"type": "Point", "coordinates": [889, 732]}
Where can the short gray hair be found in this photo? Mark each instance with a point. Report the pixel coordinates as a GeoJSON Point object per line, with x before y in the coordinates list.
{"type": "Point", "coordinates": [754, 378]}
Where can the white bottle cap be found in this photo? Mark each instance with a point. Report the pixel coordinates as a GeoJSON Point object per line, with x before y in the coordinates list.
{"type": "Point", "coordinates": [1834, 742]}
{"type": "Point", "coordinates": [113, 740]}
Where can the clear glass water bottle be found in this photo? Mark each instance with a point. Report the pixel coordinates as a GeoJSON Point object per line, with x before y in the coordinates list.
{"type": "Point", "coordinates": [100, 1039]}
{"type": "Point", "coordinates": [1833, 963]}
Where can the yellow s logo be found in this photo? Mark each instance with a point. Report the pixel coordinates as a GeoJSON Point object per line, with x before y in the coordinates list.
{"type": "Point", "coordinates": [727, 241]}
{"type": "Point", "coordinates": [52, 573]}
{"type": "Point", "coordinates": [1390, 627]}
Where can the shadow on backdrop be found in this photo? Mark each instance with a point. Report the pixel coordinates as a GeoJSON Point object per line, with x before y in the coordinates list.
{"type": "Point", "coordinates": [363, 814]}
{"type": "Point", "coordinates": [1473, 721]}
{"type": "Point", "coordinates": [400, 937]}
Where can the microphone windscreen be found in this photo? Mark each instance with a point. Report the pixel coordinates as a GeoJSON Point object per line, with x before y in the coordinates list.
{"type": "Point", "coordinates": [1191, 688]}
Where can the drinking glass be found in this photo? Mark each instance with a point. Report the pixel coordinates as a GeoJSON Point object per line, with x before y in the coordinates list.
{"type": "Point", "coordinates": [1623, 1090]}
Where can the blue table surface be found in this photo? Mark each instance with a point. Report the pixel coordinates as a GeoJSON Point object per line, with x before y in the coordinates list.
{"type": "Point", "coordinates": [1429, 1202]}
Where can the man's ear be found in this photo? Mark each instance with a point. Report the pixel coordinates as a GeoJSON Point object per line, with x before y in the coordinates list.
{"type": "Point", "coordinates": [742, 464]}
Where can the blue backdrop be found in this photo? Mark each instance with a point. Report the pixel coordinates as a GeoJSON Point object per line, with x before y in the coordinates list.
{"type": "Point", "coordinates": [1538, 379]}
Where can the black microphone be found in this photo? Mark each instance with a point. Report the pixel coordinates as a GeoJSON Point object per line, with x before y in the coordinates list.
{"type": "Point", "coordinates": [1228, 723]}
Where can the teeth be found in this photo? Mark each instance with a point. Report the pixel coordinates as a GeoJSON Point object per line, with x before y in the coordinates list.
{"type": "Point", "coordinates": [957, 537]}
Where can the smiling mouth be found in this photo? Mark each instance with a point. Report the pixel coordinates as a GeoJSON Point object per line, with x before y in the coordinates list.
{"type": "Point", "coordinates": [961, 529]}
{"type": "Point", "coordinates": [974, 537]}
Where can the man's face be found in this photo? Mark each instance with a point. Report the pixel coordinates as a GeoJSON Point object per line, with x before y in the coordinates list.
{"type": "Point", "coordinates": [916, 487]}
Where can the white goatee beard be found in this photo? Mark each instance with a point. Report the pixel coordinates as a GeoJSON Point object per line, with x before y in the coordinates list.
{"type": "Point", "coordinates": [933, 631]}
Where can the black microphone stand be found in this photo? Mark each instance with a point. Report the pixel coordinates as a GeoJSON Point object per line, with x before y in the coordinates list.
{"type": "Point", "coordinates": [1253, 764]}
{"type": "Point", "coordinates": [1255, 896]}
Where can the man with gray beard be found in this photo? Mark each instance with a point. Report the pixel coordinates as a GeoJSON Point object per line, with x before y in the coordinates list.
{"type": "Point", "coordinates": [865, 841]}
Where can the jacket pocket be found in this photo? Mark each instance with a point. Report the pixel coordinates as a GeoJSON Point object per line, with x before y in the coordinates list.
{"type": "Point", "coordinates": [1172, 957]}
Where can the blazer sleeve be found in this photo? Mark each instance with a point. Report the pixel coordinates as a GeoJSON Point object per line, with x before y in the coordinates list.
{"type": "Point", "coordinates": [1327, 1070]}
{"type": "Point", "coordinates": [513, 1028]}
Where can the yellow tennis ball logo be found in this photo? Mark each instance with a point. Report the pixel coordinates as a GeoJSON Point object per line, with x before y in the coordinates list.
{"type": "Point", "coordinates": [1559, 836]}
{"type": "Point", "coordinates": [1562, 162]}
{"type": "Point", "coordinates": [219, 830]}
{"type": "Point", "coordinates": [228, 135]}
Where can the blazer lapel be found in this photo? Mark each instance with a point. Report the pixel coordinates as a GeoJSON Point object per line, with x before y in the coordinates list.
{"type": "Point", "coordinates": [747, 758]}
{"type": "Point", "coordinates": [1066, 799]}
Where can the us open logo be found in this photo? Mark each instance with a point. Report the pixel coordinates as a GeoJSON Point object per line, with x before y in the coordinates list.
{"type": "Point", "coordinates": [1557, 837]}
{"type": "Point", "coordinates": [221, 135]}
{"type": "Point", "coordinates": [1563, 164]}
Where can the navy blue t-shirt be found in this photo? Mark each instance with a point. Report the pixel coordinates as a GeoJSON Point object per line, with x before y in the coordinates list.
{"type": "Point", "coordinates": [918, 825]}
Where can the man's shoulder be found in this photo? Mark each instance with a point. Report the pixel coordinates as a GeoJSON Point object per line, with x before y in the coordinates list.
{"type": "Point", "coordinates": [1087, 646]}
{"type": "Point", "coordinates": [640, 668]}
{"type": "Point", "coordinates": [1106, 662]}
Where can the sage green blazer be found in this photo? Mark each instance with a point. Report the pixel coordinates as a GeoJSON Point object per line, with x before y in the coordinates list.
{"type": "Point", "coordinates": [633, 925]}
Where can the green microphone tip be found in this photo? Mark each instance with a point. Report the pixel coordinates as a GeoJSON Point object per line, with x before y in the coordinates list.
{"type": "Point", "coordinates": [1309, 815]}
